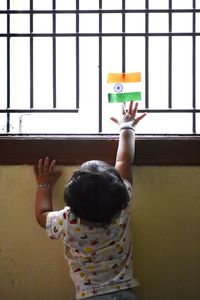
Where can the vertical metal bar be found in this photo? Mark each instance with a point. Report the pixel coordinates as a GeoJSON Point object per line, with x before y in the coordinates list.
{"type": "Point", "coordinates": [100, 68]}
{"type": "Point", "coordinates": [123, 37]}
{"type": "Point", "coordinates": [31, 55]}
{"type": "Point", "coordinates": [147, 55]}
{"type": "Point", "coordinates": [170, 58]}
{"type": "Point", "coordinates": [54, 52]}
{"type": "Point", "coordinates": [8, 67]}
{"type": "Point", "coordinates": [77, 55]}
{"type": "Point", "coordinates": [194, 68]}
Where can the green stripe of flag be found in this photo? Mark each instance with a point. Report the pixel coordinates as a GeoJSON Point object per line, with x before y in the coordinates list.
{"type": "Point", "coordinates": [124, 97]}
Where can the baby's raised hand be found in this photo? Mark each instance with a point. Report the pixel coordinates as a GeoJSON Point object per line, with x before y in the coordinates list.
{"type": "Point", "coordinates": [129, 115]}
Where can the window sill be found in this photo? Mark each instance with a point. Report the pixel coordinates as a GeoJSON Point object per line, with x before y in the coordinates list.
{"type": "Point", "coordinates": [74, 150]}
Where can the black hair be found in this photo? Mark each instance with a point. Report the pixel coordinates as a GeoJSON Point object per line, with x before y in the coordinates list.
{"type": "Point", "coordinates": [96, 192]}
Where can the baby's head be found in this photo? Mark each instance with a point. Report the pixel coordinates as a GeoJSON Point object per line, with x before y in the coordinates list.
{"type": "Point", "coordinates": [96, 192]}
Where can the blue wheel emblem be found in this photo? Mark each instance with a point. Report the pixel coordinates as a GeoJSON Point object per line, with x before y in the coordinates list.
{"type": "Point", "coordinates": [118, 87]}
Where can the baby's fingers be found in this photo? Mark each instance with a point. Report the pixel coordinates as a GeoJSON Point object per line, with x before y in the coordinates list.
{"type": "Point", "coordinates": [135, 109]}
{"type": "Point", "coordinates": [52, 165]}
{"type": "Point", "coordinates": [130, 109]}
{"type": "Point", "coordinates": [40, 166]}
{"type": "Point", "coordinates": [35, 170]}
{"type": "Point", "coordinates": [138, 119]}
{"type": "Point", "coordinates": [46, 164]}
{"type": "Point", "coordinates": [114, 120]}
{"type": "Point", "coordinates": [57, 174]}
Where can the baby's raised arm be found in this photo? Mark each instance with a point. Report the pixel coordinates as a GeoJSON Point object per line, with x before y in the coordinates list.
{"type": "Point", "coordinates": [126, 145]}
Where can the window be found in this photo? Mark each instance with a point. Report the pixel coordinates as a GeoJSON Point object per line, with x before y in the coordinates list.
{"type": "Point", "coordinates": [55, 56]}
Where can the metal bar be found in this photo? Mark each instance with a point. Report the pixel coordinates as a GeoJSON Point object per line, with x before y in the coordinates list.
{"type": "Point", "coordinates": [8, 69]}
{"type": "Point", "coordinates": [31, 56]}
{"type": "Point", "coordinates": [94, 11]}
{"type": "Point", "coordinates": [100, 69]}
{"type": "Point", "coordinates": [123, 37]}
{"type": "Point", "coordinates": [38, 111]}
{"type": "Point", "coordinates": [146, 55]}
{"type": "Point", "coordinates": [104, 135]}
{"type": "Point", "coordinates": [75, 34]}
{"type": "Point", "coordinates": [54, 53]}
{"type": "Point", "coordinates": [149, 110]}
{"type": "Point", "coordinates": [170, 58]}
{"type": "Point", "coordinates": [77, 56]}
{"type": "Point", "coordinates": [194, 69]}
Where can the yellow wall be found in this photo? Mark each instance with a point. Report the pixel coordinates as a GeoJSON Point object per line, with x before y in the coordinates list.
{"type": "Point", "coordinates": [165, 226]}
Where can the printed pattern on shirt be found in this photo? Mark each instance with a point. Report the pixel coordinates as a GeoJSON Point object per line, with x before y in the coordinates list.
{"type": "Point", "coordinates": [100, 258]}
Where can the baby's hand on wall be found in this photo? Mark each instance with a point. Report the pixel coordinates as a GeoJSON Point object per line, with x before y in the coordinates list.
{"type": "Point", "coordinates": [45, 172]}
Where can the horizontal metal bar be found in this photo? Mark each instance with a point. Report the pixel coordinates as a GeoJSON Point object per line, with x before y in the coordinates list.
{"type": "Point", "coordinates": [98, 136]}
{"type": "Point", "coordinates": [170, 110]}
{"type": "Point", "coordinates": [38, 110]}
{"type": "Point", "coordinates": [192, 110]}
{"type": "Point", "coordinates": [98, 34]}
{"type": "Point", "coordinates": [96, 11]}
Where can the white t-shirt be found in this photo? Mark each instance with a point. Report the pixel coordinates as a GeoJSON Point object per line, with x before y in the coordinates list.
{"type": "Point", "coordinates": [100, 258]}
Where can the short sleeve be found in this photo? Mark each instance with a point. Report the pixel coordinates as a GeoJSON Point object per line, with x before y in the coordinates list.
{"type": "Point", "coordinates": [56, 224]}
{"type": "Point", "coordinates": [128, 187]}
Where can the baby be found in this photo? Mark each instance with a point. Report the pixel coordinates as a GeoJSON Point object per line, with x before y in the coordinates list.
{"type": "Point", "coordinates": [94, 224]}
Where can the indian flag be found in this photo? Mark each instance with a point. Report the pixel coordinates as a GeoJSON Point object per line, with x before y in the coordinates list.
{"type": "Point", "coordinates": [123, 87]}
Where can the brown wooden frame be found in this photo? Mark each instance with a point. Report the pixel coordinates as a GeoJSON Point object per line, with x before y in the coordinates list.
{"type": "Point", "coordinates": [73, 150]}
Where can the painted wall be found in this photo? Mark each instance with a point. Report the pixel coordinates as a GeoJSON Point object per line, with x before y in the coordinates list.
{"type": "Point", "coordinates": [165, 228]}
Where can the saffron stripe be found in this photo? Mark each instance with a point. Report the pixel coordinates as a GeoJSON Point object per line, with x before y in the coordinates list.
{"type": "Point", "coordinates": [124, 97]}
{"type": "Point", "coordinates": [124, 77]}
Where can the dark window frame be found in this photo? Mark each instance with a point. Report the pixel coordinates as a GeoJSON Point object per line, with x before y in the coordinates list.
{"type": "Point", "coordinates": [73, 150]}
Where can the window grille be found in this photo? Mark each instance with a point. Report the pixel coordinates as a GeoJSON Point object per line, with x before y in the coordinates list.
{"type": "Point", "coordinates": [55, 56]}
